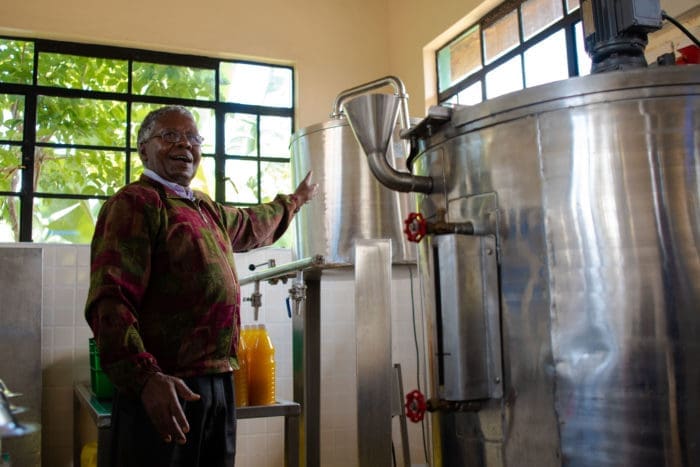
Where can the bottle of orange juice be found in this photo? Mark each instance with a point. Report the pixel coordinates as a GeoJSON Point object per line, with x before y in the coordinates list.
{"type": "Point", "coordinates": [250, 336]}
{"type": "Point", "coordinates": [240, 376]}
{"type": "Point", "coordinates": [262, 368]}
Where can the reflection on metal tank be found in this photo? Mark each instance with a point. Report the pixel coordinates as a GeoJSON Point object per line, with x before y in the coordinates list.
{"type": "Point", "coordinates": [590, 189]}
{"type": "Point", "coordinates": [351, 204]}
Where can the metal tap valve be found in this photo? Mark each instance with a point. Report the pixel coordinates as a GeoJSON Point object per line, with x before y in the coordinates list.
{"type": "Point", "coordinates": [297, 293]}
{"type": "Point", "coordinates": [255, 300]}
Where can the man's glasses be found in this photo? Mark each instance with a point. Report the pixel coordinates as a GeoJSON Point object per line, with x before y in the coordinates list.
{"type": "Point", "coordinates": [173, 137]}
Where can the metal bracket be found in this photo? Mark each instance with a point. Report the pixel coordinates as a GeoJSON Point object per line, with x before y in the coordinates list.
{"type": "Point", "coordinates": [275, 274]}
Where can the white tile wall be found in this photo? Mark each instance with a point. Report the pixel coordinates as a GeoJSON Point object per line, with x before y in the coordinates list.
{"type": "Point", "coordinates": [64, 347]}
{"type": "Point", "coordinates": [260, 442]}
{"type": "Point", "coordinates": [65, 337]}
{"type": "Point", "coordinates": [339, 409]}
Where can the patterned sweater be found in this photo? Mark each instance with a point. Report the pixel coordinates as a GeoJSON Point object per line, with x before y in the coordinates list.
{"type": "Point", "coordinates": [164, 295]}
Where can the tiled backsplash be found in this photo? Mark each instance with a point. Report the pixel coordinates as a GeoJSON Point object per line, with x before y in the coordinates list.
{"type": "Point", "coordinates": [260, 443]}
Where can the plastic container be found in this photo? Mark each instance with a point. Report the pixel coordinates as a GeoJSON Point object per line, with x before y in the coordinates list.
{"type": "Point", "coordinates": [261, 369]}
{"type": "Point", "coordinates": [88, 455]}
{"type": "Point", "coordinates": [249, 337]}
{"type": "Point", "coordinates": [101, 385]}
{"type": "Point", "coordinates": [240, 376]}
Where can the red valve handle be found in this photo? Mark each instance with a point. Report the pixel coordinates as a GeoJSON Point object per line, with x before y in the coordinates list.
{"type": "Point", "coordinates": [416, 227]}
{"type": "Point", "coordinates": [415, 406]}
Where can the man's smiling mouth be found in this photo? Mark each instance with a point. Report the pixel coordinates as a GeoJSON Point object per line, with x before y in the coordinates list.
{"type": "Point", "coordinates": [183, 158]}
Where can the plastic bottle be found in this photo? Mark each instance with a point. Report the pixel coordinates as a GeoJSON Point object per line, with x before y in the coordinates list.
{"type": "Point", "coordinates": [248, 336]}
{"type": "Point", "coordinates": [262, 369]}
{"type": "Point", "coordinates": [240, 376]}
{"type": "Point", "coordinates": [88, 455]}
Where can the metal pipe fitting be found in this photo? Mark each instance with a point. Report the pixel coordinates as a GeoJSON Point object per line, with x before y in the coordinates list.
{"type": "Point", "coordinates": [396, 180]}
{"type": "Point", "coordinates": [278, 271]}
{"type": "Point", "coordinates": [394, 81]}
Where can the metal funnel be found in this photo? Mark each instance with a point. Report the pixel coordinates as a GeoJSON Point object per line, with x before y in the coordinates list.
{"type": "Point", "coordinates": [372, 118]}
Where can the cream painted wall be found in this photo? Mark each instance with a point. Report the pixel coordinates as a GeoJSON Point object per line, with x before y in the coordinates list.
{"type": "Point", "coordinates": [334, 45]}
{"type": "Point", "coordinates": [418, 28]}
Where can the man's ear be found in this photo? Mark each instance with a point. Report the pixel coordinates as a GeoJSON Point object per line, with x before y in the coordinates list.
{"type": "Point", "coordinates": [142, 152]}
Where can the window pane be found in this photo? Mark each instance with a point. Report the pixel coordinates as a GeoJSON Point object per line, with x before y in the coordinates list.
{"type": "Point", "coordinates": [136, 167]}
{"type": "Point", "coordinates": [286, 240]}
{"type": "Point", "coordinates": [139, 110]}
{"type": "Point", "coordinates": [505, 78]}
{"type": "Point", "coordinates": [152, 79]}
{"type": "Point", "coordinates": [459, 59]}
{"type": "Point", "coordinates": [205, 178]}
{"type": "Point", "coordinates": [80, 171]}
{"type": "Point", "coordinates": [582, 57]}
{"type": "Point", "coordinates": [88, 73]}
{"type": "Point", "coordinates": [206, 124]}
{"type": "Point", "coordinates": [16, 61]}
{"type": "Point", "coordinates": [81, 121]}
{"type": "Point", "coordinates": [572, 5]}
{"type": "Point", "coordinates": [256, 84]}
{"type": "Point", "coordinates": [241, 134]}
{"type": "Point", "coordinates": [538, 14]}
{"type": "Point", "coordinates": [275, 133]}
{"type": "Point", "coordinates": [10, 168]}
{"type": "Point", "coordinates": [451, 102]}
{"type": "Point", "coordinates": [241, 181]}
{"type": "Point", "coordinates": [276, 178]}
{"type": "Point", "coordinates": [64, 220]}
{"type": "Point", "coordinates": [9, 218]}
{"type": "Point", "coordinates": [546, 61]}
{"type": "Point", "coordinates": [12, 117]}
{"type": "Point", "coordinates": [501, 36]}
{"type": "Point", "coordinates": [471, 95]}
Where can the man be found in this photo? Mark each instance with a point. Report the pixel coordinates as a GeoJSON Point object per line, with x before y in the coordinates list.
{"type": "Point", "coordinates": [164, 300]}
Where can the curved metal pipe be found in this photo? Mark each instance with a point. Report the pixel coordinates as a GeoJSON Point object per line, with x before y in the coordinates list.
{"type": "Point", "coordinates": [394, 81]}
{"type": "Point", "coordinates": [372, 118]}
{"type": "Point", "coordinates": [395, 180]}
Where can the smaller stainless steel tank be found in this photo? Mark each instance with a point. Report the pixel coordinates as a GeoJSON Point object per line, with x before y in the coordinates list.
{"type": "Point", "coordinates": [352, 204]}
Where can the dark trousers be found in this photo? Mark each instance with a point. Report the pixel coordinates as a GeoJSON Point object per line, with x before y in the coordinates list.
{"type": "Point", "coordinates": [211, 441]}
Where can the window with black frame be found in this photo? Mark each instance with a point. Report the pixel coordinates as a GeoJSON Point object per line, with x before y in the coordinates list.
{"type": "Point", "coordinates": [519, 44]}
{"type": "Point", "coordinates": [68, 122]}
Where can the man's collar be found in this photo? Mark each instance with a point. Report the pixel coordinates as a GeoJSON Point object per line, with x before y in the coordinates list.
{"type": "Point", "coordinates": [182, 191]}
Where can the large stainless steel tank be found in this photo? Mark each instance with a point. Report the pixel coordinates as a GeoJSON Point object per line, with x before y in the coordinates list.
{"type": "Point", "coordinates": [566, 330]}
{"type": "Point", "coordinates": [351, 204]}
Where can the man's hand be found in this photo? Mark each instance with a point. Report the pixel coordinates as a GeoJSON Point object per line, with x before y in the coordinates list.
{"type": "Point", "coordinates": [306, 191]}
{"type": "Point", "coordinates": [159, 398]}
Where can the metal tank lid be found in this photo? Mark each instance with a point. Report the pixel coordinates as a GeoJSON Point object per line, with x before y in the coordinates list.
{"type": "Point", "coordinates": [333, 123]}
{"type": "Point", "coordinates": [336, 122]}
{"type": "Point", "coordinates": [573, 92]}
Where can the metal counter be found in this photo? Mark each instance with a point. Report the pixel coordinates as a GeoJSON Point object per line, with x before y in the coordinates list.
{"type": "Point", "coordinates": [100, 411]}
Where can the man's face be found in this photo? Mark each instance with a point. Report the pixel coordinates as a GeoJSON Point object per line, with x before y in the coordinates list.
{"type": "Point", "coordinates": [175, 162]}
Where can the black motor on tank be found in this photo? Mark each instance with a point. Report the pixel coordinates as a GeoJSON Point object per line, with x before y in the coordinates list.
{"type": "Point", "coordinates": [615, 32]}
